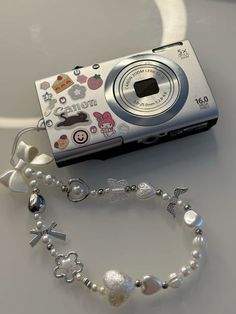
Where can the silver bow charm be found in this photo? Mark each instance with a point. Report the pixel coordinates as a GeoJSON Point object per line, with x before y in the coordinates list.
{"type": "Point", "coordinates": [27, 155]}
{"type": "Point", "coordinates": [49, 230]}
{"type": "Point", "coordinates": [174, 199]}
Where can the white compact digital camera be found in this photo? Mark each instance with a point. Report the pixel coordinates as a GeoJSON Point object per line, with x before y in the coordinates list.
{"type": "Point", "coordinates": [128, 103]}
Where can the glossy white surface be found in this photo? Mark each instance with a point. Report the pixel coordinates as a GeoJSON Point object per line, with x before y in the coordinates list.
{"type": "Point", "coordinates": [136, 237]}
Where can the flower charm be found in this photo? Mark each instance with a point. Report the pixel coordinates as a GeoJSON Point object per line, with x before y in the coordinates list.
{"type": "Point", "coordinates": [67, 266]}
{"type": "Point", "coordinates": [174, 199]}
{"type": "Point", "coordinates": [77, 92]}
{"type": "Point", "coordinates": [27, 155]}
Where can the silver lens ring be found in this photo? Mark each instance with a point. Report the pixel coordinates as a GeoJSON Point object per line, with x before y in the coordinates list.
{"type": "Point", "coordinates": [152, 109]}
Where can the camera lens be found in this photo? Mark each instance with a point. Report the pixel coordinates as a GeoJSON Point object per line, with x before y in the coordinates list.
{"type": "Point", "coordinates": [146, 87]}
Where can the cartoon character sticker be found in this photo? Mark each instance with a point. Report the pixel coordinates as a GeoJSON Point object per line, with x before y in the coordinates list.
{"type": "Point", "coordinates": [105, 123]}
{"type": "Point", "coordinates": [70, 121]}
{"type": "Point", "coordinates": [62, 142]}
{"type": "Point", "coordinates": [94, 82]}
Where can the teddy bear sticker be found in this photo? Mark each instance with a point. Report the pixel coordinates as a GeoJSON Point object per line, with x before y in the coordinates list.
{"type": "Point", "coordinates": [105, 123]}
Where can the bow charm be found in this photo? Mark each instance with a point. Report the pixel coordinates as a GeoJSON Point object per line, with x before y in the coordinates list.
{"type": "Point", "coordinates": [27, 155]}
{"type": "Point", "coordinates": [49, 230]}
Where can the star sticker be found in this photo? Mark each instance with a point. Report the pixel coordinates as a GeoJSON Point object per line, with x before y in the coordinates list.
{"type": "Point", "coordinates": [47, 96]}
{"type": "Point", "coordinates": [174, 199]}
{"type": "Point", "coordinates": [49, 230]}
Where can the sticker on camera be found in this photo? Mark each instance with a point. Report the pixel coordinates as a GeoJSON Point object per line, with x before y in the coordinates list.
{"type": "Point", "coordinates": [75, 107]}
{"type": "Point", "coordinates": [77, 92]}
{"type": "Point", "coordinates": [62, 142]}
{"type": "Point", "coordinates": [67, 122]}
{"type": "Point", "coordinates": [62, 82]}
{"type": "Point", "coordinates": [80, 136]}
{"type": "Point", "coordinates": [94, 82]}
{"type": "Point", "coordinates": [106, 123]}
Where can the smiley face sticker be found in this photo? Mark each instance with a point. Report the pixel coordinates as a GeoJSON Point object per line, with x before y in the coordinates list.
{"type": "Point", "coordinates": [80, 136]}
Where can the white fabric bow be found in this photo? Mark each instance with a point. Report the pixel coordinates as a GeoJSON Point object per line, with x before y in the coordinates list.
{"type": "Point", "coordinates": [27, 155]}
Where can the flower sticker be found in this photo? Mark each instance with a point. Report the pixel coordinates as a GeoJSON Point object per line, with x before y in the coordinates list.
{"type": "Point", "coordinates": [67, 266]}
{"type": "Point", "coordinates": [44, 85]}
{"type": "Point", "coordinates": [77, 92]}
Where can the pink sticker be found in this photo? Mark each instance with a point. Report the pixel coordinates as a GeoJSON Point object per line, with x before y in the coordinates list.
{"type": "Point", "coordinates": [105, 123]}
{"type": "Point", "coordinates": [94, 82]}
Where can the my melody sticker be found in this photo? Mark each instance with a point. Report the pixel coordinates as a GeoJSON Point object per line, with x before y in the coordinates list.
{"type": "Point", "coordinates": [106, 123]}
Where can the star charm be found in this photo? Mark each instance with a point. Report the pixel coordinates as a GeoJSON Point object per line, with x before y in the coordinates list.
{"type": "Point", "coordinates": [67, 266]}
{"type": "Point", "coordinates": [174, 199]}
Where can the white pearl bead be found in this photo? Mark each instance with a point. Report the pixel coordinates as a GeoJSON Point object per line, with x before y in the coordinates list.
{"type": "Point", "coordinates": [53, 252]}
{"type": "Point", "coordinates": [39, 174]}
{"type": "Point", "coordinates": [179, 202]}
{"type": "Point", "coordinates": [93, 193]}
{"type": "Point", "coordinates": [78, 276]}
{"type": "Point", "coordinates": [45, 238]}
{"type": "Point", "coordinates": [199, 242]}
{"type": "Point", "coordinates": [33, 183]}
{"type": "Point", "coordinates": [165, 196]}
{"type": "Point", "coordinates": [107, 190]}
{"type": "Point", "coordinates": [59, 183]}
{"type": "Point", "coordinates": [194, 265]}
{"type": "Point", "coordinates": [186, 270]}
{"type": "Point", "coordinates": [101, 290]}
{"type": "Point", "coordinates": [48, 179]}
{"type": "Point", "coordinates": [77, 190]}
{"type": "Point", "coordinates": [37, 216]}
{"type": "Point", "coordinates": [39, 224]}
{"type": "Point", "coordinates": [94, 287]}
{"type": "Point", "coordinates": [29, 172]}
{"type": "Point", "coordinates": [197, 254]}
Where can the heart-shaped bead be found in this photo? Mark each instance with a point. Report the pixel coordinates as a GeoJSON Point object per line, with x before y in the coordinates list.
{"type": "Point", "coordinates": [145, 190]}
{"type": "Point", "coordinates": [150, 285]}
{"type": "Point", "coordinates": [118, 286]}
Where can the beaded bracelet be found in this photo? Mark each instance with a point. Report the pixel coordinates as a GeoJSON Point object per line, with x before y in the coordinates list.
{"type": "Point", "coordinates": [117, 286]}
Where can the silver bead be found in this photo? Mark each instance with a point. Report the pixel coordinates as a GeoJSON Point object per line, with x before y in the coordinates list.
{"type": "Point", "coordinates": [94, 287]}
{"type": "Point", "coordinates": [175, 280]}
{"type": "Point", "coordinates": [187, 207]}
{"type": "Point", "coordinates": [192, 219]}
{"type": "Point", "coordinates": [64, 188]}
{"type": "Point", "coordinates": [59, 183]}
{"type": "Point", "coordinates": [199, 242]}
{"type": "Point", "coordinates": [150, 285]}
{"type": "Point", "coordinates": [158, 192]}
{"type": "Point", "coordinates": [48, 179]}
{"type": "Point", "coordinates": [194, 264]}
{"type": "Point", "coordinates": [197, 254]}
{"type": "Point", "coordinates": [165, 196]}
{"type": "Point", "coordinates": [186, 270]}
{"type": "Point", "coordinates": [45, 238]}
{"type": "Point", "coordinates": [29, 173]}
{"type": "Point", "coordinates": [39, 174]}
{"type": "Point", "coordinates": [39, 224]}
{"type": "Point", "coordinates": [33, 183]}
{"type": "Point", "coordinates": [119, 287]}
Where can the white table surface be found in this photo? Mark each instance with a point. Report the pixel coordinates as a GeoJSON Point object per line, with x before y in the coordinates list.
{"type": "Point", "coordinates": [135, 237]}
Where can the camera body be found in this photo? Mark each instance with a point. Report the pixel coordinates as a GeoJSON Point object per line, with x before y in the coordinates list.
{"type": "Point", "coordinates": [125, 104]}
